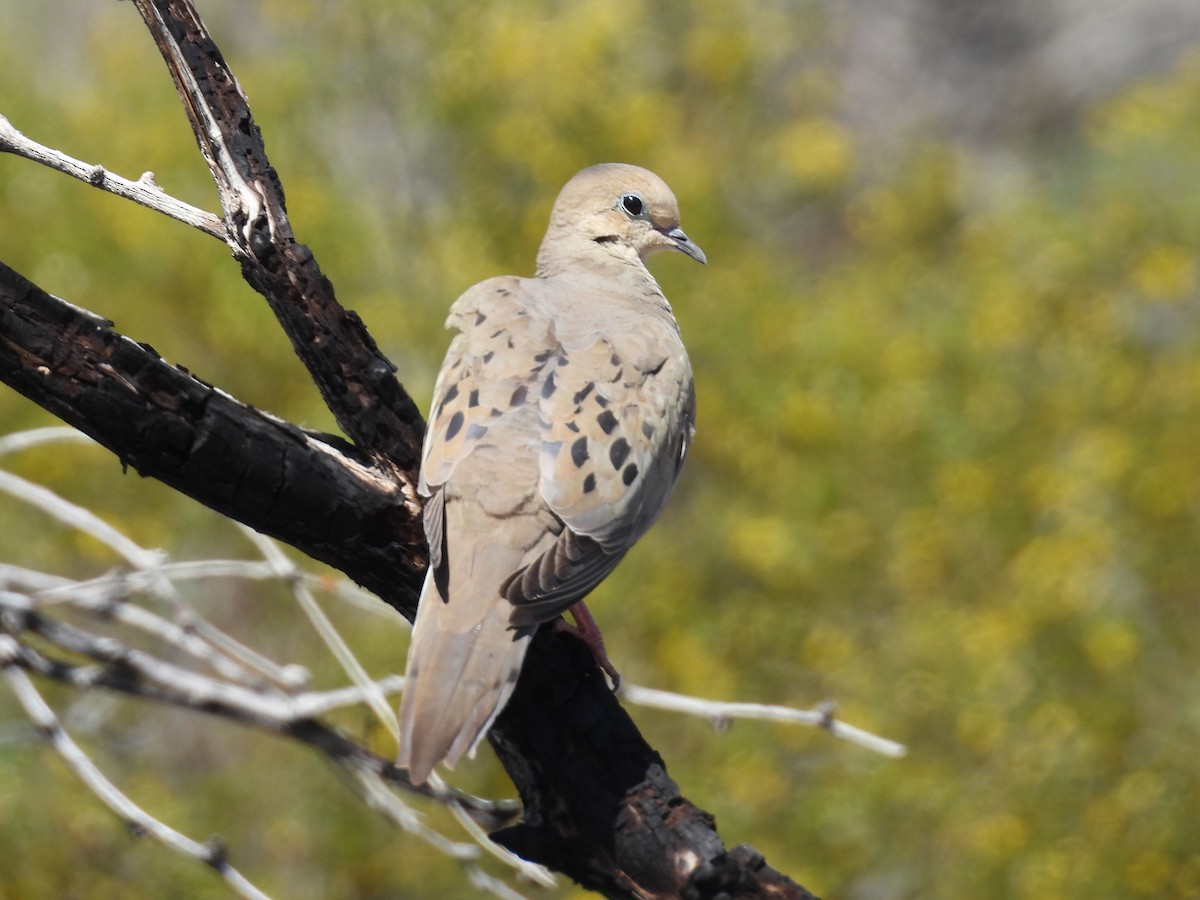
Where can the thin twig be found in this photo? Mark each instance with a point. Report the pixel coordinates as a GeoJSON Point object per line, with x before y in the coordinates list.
{"type": "Point", "coordinates": [482, 881]}
{"type": "Point", "coordinates": [108, 597]}
{"type": "Point", "coordinates": [143, 191]}
{"type": "Point", "coordinates": [35, 437]}
{"type": "Point", "coordinates": [534, 872]}
{"type": "Point", "coordinates": [719, 711]}
{"type": "Point", "coordinates": [391, 807]}
{"type": "Point", "coordinates": [325, 629]}
{"type": "Point", "coordinates": [212, 852]}
{"type": "Point", "coordinates": [149, 563]}
{"type": "Point", "coordinates": [77, 517]}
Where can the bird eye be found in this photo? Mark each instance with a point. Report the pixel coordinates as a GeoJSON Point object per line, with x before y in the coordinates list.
{"type": "Point", "coordinates": [632, 204]}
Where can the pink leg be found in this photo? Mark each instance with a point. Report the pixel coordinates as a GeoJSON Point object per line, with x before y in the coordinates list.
{"type": "Point", "coordinates": [588, 631]}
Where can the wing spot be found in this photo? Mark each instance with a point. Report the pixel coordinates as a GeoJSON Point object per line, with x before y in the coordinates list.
{"type": "Point", "coordinates": [607, 421]}
{"type": "Point", "coordinates": [474, 398]}
{"type": "Point", "coordinates": [618, 452]}
{"type": "Point", "coordinates": [518, 396]}
{"type": "Point", "coordinates": [487, 357]}
{"type": "Point", "coordinates": [549, 387]}
{"type": "Point", "coordinates": [579, 452]}
{"type": "Point", "coordinates": [589, 484]}
{"type": "Point", "coordinates": [455, 426]}
{"type": "Point", "coordinates": [475, 431]}
{"type": "Point", "coordinates": [480, 318]}
{"type": "Point", "coordinates": [647, 430]}
{"type": "Point", "coordinates": [630, 473]}
{"type": "Point", "coordinates": [450, 394]}
{"type": "Point", "coordinates": [581, 395]}
{"type": "Point", "coordinates": [601, 400]}
{"type": "Point", "coordinates": [573, 426]}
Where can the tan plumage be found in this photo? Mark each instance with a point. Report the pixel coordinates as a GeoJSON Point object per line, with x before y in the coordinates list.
{"type": "Point", "coordinates": [560, 422]}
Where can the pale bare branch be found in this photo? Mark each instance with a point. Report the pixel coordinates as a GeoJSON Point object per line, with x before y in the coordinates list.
{"type": "Point", "coordinates": [287, 572]}
{"type": "Point", "coordinates": [212, 852]}
{"type": "Point", "coordinates": [29, 599]}
{"type": "Point", "coordinates": [143, 191]}
{"type": "Point", "coordinates": [720, 712]}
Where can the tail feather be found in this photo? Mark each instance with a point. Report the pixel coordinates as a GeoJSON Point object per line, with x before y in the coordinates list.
{"type": "Point", "coordinates": [463, 664]}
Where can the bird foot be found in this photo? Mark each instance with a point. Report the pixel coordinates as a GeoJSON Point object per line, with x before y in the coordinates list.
{"type": "Point", "coordinates": [588, 631]}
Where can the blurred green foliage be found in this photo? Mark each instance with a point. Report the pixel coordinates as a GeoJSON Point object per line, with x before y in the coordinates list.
{"type": "Point", "coordinates": [946, 470]}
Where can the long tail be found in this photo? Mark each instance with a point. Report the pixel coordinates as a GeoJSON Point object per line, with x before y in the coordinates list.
{"type": "Point", "coordinates": [463, 664]}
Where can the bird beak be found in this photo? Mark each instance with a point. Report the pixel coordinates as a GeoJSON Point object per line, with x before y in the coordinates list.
{"type": "Point", "coordinates": [684, 245]}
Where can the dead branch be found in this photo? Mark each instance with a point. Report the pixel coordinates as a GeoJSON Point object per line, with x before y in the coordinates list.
{"type": "Point", "coordinates": [143, 191]}
{"type": "Point", "coordinates": [357, 382]}
{"type": "Point", "coordinates": [311, 491]}
{"type": "Point", "coordinates": [212, 853]}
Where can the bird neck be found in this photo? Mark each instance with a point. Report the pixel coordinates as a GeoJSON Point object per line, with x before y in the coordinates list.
{"type": "Point", "coordinates": [608, 287]}
{"type": "Point", "coordinates": [564, 253]}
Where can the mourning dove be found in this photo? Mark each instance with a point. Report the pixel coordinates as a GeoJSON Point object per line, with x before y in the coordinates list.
{"type": "Point", "coordinates": [560, 421]}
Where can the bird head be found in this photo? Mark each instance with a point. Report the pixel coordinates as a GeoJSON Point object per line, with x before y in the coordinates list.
{"type": "Point", "coordinates": [627, 209]}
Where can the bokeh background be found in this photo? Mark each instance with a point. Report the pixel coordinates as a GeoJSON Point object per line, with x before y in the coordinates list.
{"type": "Point", "coordinates": [947, 470]}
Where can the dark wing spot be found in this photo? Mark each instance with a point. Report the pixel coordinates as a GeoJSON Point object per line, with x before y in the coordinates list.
{"type": "Point", "coordinates": [573, 426]}
{"type": "Point", "coordinates": [618, 452]}
{"type": "Point", "coordinates": [495, 413]}
{"type": "Point", "coordinates": [647, 430]}
{"type": "Point", "coordinates": [601, 400]}
{"type": "Point", "coordinates": [630, 473]}
{"type": "Point", "coordinates": [657, 368]}
{"type": "Point", "coordinates": [615, 360]}
{"type": "Point", "coordinates": [450, 394]}
{"type": "Point", "coordinates": [579, 454]}
{"type": "Point", "coordinates": [475, 431]}
{"type": "Point", "coordinates": [562, 360]}
{"type": "Point", "coordinates": [480, 318]}
{"type": "Point", "coordinates": [589, 484]}
{"type": "Point", "coordinates": [581, 395]}
{"type": "Point", "coordinates": [487, 357]}
{"type": "Point", "coordinates": [607, 421]}
{"type": "Point", "coordinates": [455, 426]}
{"type": "Point", "coordinates": [549, 387]}
{"type": "Point", "coordinates": [543, 356]}
{"type": "Point", "coordinates": [474, 398]}
{"type": "Point", "coordinates": [518, 396]}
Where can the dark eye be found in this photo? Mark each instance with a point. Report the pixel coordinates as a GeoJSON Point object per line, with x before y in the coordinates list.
{"type": "Point", "coordinates": [632, 204]}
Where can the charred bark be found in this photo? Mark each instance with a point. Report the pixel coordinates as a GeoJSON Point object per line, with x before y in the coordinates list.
{"type": "Point", "coordinates": [314, 492]}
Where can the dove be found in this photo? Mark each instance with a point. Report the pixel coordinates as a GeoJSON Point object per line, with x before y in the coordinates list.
{"type": "Point", "coordinates": [560, 421]}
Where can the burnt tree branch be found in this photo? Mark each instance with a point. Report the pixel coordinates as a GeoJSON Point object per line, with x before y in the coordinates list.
{"type": "Point", "coordinates": [301, 488]}
{"type": "Point", "coordinates": [357, 382]}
